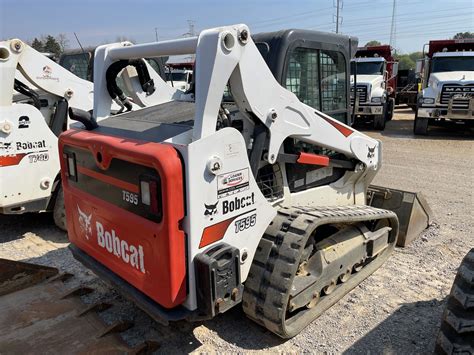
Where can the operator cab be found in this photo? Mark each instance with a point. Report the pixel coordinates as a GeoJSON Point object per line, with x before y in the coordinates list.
{"type": "Point", "coordinates": [313, 65]}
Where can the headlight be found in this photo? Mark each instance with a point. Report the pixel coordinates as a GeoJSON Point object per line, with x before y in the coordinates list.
{"type": "Point", "coordinates": [427, 100]}
{"type": "Point", "coordinates": [376, 100]}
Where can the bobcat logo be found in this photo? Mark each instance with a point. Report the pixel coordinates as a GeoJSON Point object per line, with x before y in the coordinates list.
{"type": "Point", "coordinates": [47, 71]}
{"type": "Point", "coordinates": [85, 223]}
{"type": "Point", "coordinates": [5, 145]}
{"type": "Point", "coordinates": [210, 210]}
{"type": "Point", "coordinates": [371, 152]}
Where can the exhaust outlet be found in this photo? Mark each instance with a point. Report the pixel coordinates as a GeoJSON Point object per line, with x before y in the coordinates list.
{"type": "Point", "coordinates": [412, 209]}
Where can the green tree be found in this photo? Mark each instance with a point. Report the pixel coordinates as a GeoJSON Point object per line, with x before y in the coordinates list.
{"type": "Point", "coordinates": [373, 43]}
{"type": "Point", "coordinates": [37, 44]}
{"type": "Point", "coordinates": [405, 61]}
{"type": "Point", "coordinates": [51, 45]}
{"type": "Point", "coordinates": [415, 56]}
{"type": "Point", "coordinates": [461, 35]}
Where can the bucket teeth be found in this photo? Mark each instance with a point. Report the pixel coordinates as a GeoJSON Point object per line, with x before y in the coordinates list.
{"type": "Point", "coordinates": [116, 327]}
{"type": "Point", "coordinates": [77, 291]}
{"type": "Point", "coordinates": [95, 307]}
{"type": "Point", "coordinates": [147, 347]}
{"type": "Point", "coordinates": [64, 276]}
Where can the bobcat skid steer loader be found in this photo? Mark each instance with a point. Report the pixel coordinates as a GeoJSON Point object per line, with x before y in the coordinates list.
{"type": "Point", "coordinates": [34, 98]}
{"type": "Point", "coordinates": [190, 208]}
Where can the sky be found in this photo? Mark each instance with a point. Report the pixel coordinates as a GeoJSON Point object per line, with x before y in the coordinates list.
{"type": "Point", "coordinates": [104, 21]}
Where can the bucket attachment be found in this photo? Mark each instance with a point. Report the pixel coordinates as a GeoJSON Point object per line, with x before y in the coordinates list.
{"type": "Point", "coordinates": [38, 310]}
{"type": "Point", "coordinates": [413, 212]}
{"type": "Point", "coordinates": [16, 275]}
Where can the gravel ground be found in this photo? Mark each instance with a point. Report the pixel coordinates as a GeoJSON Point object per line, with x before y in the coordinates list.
{"type": "Point", "coordinates": [396, 310]}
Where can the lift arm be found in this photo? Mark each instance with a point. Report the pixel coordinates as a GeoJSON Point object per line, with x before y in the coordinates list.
{"type": "Point", "coordinates": [43, 73]}
{"type": "Point", "coordinates": [229, 55]}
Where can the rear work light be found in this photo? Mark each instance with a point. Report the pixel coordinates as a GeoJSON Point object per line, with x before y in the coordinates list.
{"type": "Point", "coordinates": [150, 194]}
{"type": "Point", "coordinates": [71, 166]}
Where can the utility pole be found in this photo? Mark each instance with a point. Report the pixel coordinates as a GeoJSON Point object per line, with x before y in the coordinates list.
{"type": "Point", "coordinates": [191, 32]}
{"type": "Point", "coordinates": [393, 28]}
{"type": "Point", "coordinates": [338, 18]}
{"type": "Point", "coordinates": [156, 33]}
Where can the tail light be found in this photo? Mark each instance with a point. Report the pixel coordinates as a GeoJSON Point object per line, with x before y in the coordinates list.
{"type": "Point", "coordinates": [71, 166]}
{"type": "Point", "coordinates": [150, 195]}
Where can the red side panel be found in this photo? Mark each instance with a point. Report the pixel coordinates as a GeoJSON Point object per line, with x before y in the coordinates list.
{"type": "Point", "coordinates": [451, 45]}
{"type": "Point", "coordinates": [384, 51]}
{"type": "Point", "coordinates": [107, 219]}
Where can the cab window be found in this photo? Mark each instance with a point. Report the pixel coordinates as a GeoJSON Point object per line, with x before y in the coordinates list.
{"type": "Point", "coordinates": [318, 78]}
{"type": "Point", "coordinates": [333, 81]}
{"type": "Point", "coordinates": [302, 76]}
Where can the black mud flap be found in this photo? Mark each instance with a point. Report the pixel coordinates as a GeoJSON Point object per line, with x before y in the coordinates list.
{"type": "Point", "coordinates": [413, 212]}
{"type": "Point", "coordinates": [218, 280]}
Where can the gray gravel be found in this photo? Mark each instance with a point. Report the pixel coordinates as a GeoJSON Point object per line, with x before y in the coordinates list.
{"type": "Point", "coordinates": [396, 310]}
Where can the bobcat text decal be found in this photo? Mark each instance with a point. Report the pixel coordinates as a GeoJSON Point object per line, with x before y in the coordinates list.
{"type": "Point", "coordinates": [110, 241]}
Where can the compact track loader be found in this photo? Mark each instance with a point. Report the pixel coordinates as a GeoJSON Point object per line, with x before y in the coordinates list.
{"type": "Point", "coordinates": [34, 99]}
{"type": "Point", "coordinates": [190, 207]}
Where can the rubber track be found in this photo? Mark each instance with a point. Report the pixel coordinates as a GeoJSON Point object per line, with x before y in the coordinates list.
{"type": "Point", "coordinates": [456, 335]}
{"type": "Point", "coordinates": [277, 259]}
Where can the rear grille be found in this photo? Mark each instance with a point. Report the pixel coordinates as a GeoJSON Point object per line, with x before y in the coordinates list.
{"type": "Point", "coordinates": [361, 91]}
{"type": "Point", "coordinates": [460, 94]}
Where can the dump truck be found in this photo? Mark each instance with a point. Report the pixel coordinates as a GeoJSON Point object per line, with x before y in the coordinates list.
{"type": "Point", "coordinates": [448, 85]}
{"type": "Point", "coordinates": [374, 82]}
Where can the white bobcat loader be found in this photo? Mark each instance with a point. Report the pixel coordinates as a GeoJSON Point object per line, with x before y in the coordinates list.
{"type": "Point", "coordinates": [190, 208]}
{"type": "Point", "coordinates": [34, 100]}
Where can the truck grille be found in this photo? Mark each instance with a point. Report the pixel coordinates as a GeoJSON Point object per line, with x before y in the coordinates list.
{"type": "Point", "coordinates": [460, 94]}
{"type": "Point", "coordinates": [361, 91]}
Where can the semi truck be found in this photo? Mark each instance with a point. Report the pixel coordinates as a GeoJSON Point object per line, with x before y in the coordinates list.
{"type": "Point", "coordinates": [448, 85]}
{"type": "Point", "coordinates": [374, 76]}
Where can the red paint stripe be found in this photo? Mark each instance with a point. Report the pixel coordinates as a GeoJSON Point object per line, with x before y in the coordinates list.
{"type": "Point", "coordinates": [11, 160]}
{"type": "Point", "coordinates": [341, 128]}
{"type": "Point", "coordinates": [215, 232]}
{"type": "Point", "coordinates": [108, 179]}
{"type": "Point", "coordinates": [313, 159]}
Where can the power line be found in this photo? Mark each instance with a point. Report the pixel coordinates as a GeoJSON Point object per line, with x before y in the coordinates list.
{"type": "Point", "coordinates": [284, 19]}
{"type": "Point", "coordinates": [363, 20]}
{"type": "Point", "coordinates": [435, 22]}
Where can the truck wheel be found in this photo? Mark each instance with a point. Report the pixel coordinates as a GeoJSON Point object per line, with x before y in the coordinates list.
{"type": "Point", "coordinates": [456, 335]}
{"type": "Point", "coordinates": [420, 126]}
{"type": "Point", "coordinates": [379, 122]}
{"type": "Point", "coordinates": [390, 109]}
{"type": "Point", "coordinates": [59, 212]}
